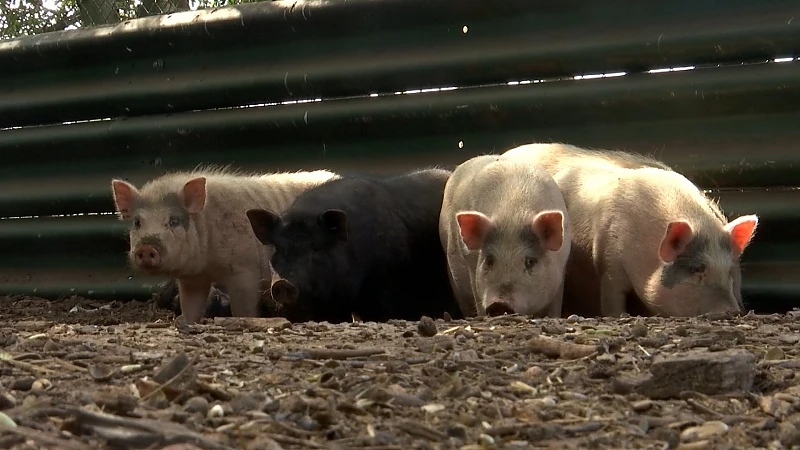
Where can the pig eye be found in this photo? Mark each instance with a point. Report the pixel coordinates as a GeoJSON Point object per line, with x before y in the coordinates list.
{"type": "Point", "coordinates": [136, 222]}
{"type": "Point", "coordinates": [174, 222]}
{"type": "Point", "coordinates": [530, 262]}
{"type": "Point", "coordinates": [488, 262]}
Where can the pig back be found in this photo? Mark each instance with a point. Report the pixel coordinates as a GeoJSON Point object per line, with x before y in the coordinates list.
{"type": "Point", "coordinates": [556, 157]}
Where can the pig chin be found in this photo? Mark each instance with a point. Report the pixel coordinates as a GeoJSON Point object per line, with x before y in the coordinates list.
{"type": "Point", "coordinates": [692, 300]}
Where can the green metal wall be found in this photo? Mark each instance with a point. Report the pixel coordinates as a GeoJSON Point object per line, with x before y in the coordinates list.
{"type": "Point", "coordinates": [161, 93]}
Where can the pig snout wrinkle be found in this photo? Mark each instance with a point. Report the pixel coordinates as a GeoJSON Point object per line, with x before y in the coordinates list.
{"type": "Point", "coordinates": [284, 292]}
{"type": "Point", "coordinates": [147, 256]}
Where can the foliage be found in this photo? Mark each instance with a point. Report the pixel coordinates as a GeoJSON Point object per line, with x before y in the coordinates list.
{"type": "Point", "coordinates": [28, 17]}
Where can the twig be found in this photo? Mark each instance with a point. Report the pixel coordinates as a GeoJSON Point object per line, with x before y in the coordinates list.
{"type": "Point", "coordinates": [283, 439]}
{"type": "Point", "coordinates": [420, 430]}
{"type": "Point", "coordinates": [292, 429]}
{"type": "Point", "coordinates": [38, 435]}
{"type": "Point", "coordinates": [168, 432]}
{"type": "Point", "coordinates": [171, 380]}
{"type": "Point", "coordinates": [560, 349]}
{"type": "Point", "coordinates": [329, 353]}
{"type": "Point", "coordinates": [702, 408]}
{"type": "Point", "coordinates": [28, 367]}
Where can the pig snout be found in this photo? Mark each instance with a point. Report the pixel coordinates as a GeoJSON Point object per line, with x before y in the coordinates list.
{"type": "Point", "coordinates": [147, 256]}
{"type": "Point", "coordinates": [284, 292]}
{"type": "Point", "coordinates": [499, 308]}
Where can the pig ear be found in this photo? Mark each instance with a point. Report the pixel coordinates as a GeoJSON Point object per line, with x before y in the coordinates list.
{"type": "Point", "coordinates": [742, 230]}
{"type": "Point", "coordinates": [473, 226]}
{"type": "Point", "coordinates": [125, 195]}
{"type": "Point", "coordinates": [264, 224]}
{"type": "Point", "coordinates": [676, 238]}
{"type": "Point", "coordinates": [335, 221]}
{"type": "Point", "coordinates": [549, 226]}
{"type": "Point", "coordinates": [193, 195]}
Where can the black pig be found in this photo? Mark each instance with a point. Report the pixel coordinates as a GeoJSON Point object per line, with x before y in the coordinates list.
{"type": "Point", "coordinates": [361, 246]}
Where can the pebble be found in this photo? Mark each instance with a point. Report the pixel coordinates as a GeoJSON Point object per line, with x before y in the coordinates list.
{"type": "Point", "coordinates": [41, 385]}
{"type": "Point", "coordinates": [7, 401]}
{"type": "Point", "coordinates": [23, 384]}
{"type": "Point", "coordinates": [774, 353]}
{"type": "Point", "coordinates": [486, 440]}
{"type": "Point", "coordinates": [705, 431]}
{"type": "Point", "coordinates": [216, 411]}
{"type": "Point", "coordinates": [534, 372]}
{"type": "Point", "coordinates": [639, 329]}
{"type": "Point", "coordinates": [788, 434]}
{"type": "Point", "coordinates": [197, 405]}
{"type": "Point", "coordinates": [243, 403]}
{"type": "Point", "coordinates": [642, 405]}
{"type": "Point", "coordinates": [697, 445]}
{"type": "Point", "coordinates": [427, 327]}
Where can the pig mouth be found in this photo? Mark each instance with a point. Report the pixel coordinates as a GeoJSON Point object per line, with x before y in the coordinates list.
{"type": "Point", "coordinates": [499, 308]}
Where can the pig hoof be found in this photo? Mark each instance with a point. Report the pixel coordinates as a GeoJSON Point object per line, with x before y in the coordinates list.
{"type": "Point", "coordinates": [498, 309]}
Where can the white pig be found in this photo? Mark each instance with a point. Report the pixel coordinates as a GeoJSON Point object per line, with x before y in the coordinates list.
{"type": "Point", "coordinates": [192, 226]}
{"type": "Point", "coordinates": [556, 156]}
{"type": "Point", "coordinates": [506, 235]}
{"type": "Point", "coordinates": [653, 232]}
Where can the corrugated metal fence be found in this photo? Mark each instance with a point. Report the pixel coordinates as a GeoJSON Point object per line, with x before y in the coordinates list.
{"type": "Point", "coordinates": [711, 87]}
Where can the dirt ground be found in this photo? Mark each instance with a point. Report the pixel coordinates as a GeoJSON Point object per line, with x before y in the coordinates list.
{"type": "Point", "coordinates": [80, 374]}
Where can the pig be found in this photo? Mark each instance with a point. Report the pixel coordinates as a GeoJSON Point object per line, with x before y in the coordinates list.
{"type": "Point", "coordinates": [506, 234]}
{"type": "Point", "coordinates": [557, 156]}
{"type": "Point", "coordinates": [652, 232]}
{"type": "Point", "coordinates": [360, 246]}
{"type": "Point", "coordinates": [219, 304]}
{"type": "Point", "coordinates": [192, 226]}
{"type": "Point", "coordinates": [218, 301]}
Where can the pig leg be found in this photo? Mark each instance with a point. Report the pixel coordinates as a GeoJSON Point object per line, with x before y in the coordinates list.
{"type": "Point", "coordinates": [612, 296]}
{"type": "Point", "coordinates": [244, 293]}
{"type": "Point", "coordinates": [193, 298]}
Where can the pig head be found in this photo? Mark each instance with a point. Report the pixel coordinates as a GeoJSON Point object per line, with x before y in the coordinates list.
{"type": "Point", "coordinates": [699, 270]}
{"type": "Point", "coordinates": [163, 236]}
{"type": "Point", "coordinates": [517, 260]}
{"type": "Point", "coordinates": [309, 255]}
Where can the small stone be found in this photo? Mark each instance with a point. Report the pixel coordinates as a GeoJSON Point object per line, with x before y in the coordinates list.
{"type": "Point", "coordinates": [709, 373]}
{"type": "Point", "coordinates": [788, 434]}
{"type": "Point", "coordinates": [444, 342]}
{"type": "Point", "coordinates": [639, 329]}
{"type": "Point", "coordinates": [243, 403]}
{"type": "Point", "coordinates": [774, 353]}
{"type": "Point", "coordinates": [534, 372]}
{"type": "Point", "coordinates": [642, 405]}
{"type": "Point", "coordinates": [696, 445]}
{"type": "Point", "coordinates": [457, 431]}
{"type": "Point", "coordinates": [486, 440]}
{"type": "Point", "coordinates": [23, 384]}
{"type": "Point", "coordinates": [50, 346]}
{"type": "Point", "coordinates": [7, 401]}
{"type": "Point", "coordinates": [41, 384]}
{"type": "Point", "coordinates": [427, 327]}
{"type": "Point", "coordinates": [774, 406]}
{"type": "Point", "coordinates": [197, 405]}
{"type": "Point", "coordinates": [447, 317]}
{"type": "Point", "coordinates": [574, 318]}
{"type": "Point", "coordinates": [705, 431]}
{"type": "Point", "coordinates": [216, 411]}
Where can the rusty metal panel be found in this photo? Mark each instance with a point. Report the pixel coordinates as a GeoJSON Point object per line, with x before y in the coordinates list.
{"type": "Point", "coordinates": [276, 51]}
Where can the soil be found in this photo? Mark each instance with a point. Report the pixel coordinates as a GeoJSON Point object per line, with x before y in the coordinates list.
{"type": "Point", "coordinates": [79, 374]}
